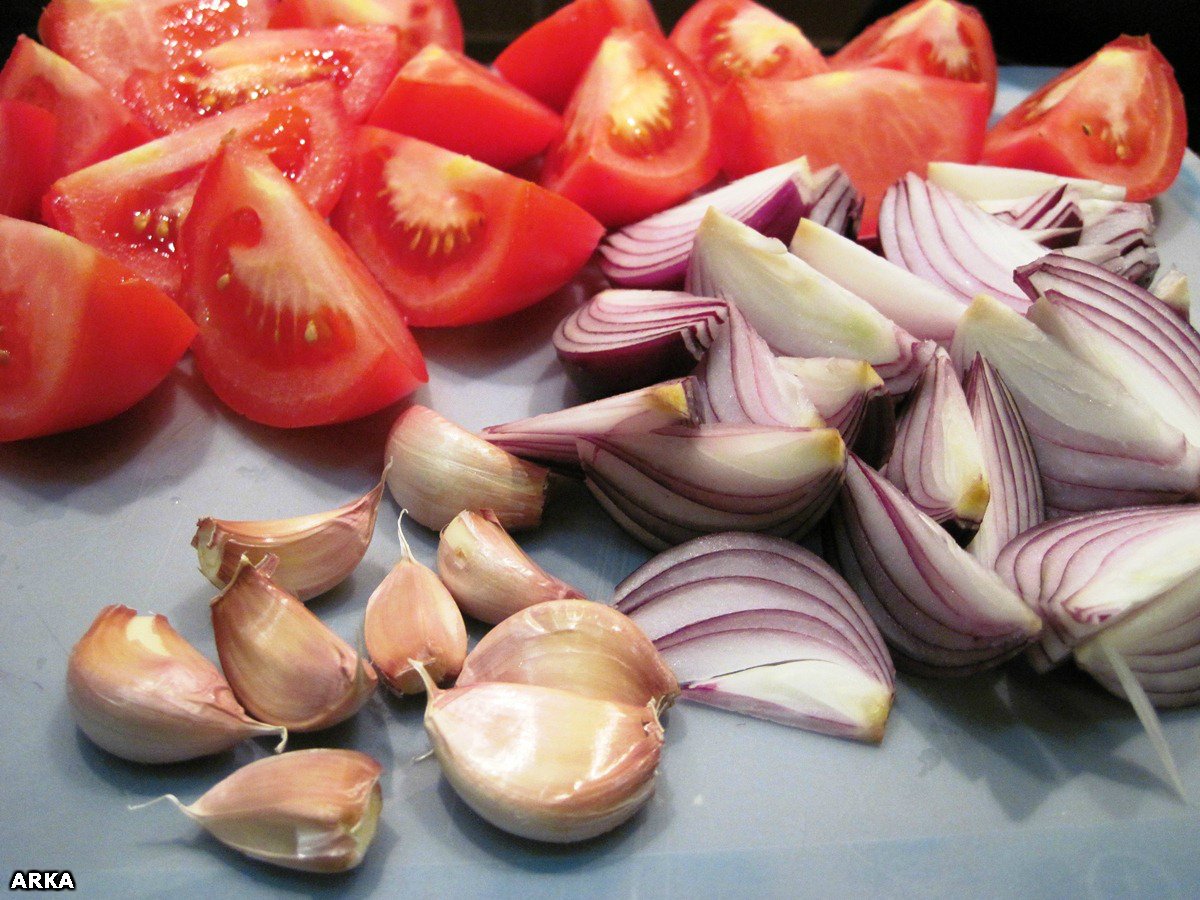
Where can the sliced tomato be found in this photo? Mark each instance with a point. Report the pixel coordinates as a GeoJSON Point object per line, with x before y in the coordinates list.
{"type": "Point", "coordinates": [877, 124]}
{"type": "Point", "coordinates": [418, 22]}
{"type": "Point", "coordinates": [733, 39]}
{"type": "Point", "coordinates": [293, 329]}
{"type": "Point", "coordinates": [927, 37]}
{"type": "Point", "coordinates": [109, 39]}
{"type": "Point", "coordinates": [447, 99]}
{"type": "Point", "coordinates": [1117, 117]}
{"type": "Point", "coordinates": [549, 59]}
{"type": "Point", "coordinates": [91, 125]}
{"type": "Point", "coordinates": [131, 206]}
{"type": "Point", "coordinates": [81, 337]}
{"type": "Point", "coordinates": [358, 62]}
{"type": "Point", "coordinates": [455, 241]}
{"type": "Point", "coordinates": [26, 147]}
{"type": "Point", "coordinates": [639, 132]}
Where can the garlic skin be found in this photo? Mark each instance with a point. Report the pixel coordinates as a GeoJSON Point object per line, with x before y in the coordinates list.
{"type": "Point", "coordinates": [543, 763]}
{"type": "Point", "coordinates": [316, 552]}
{"type": "Point", "coordinates": [140, 691]}
{"type": "Point", "coordinates": [581, 646]}
{"type": "Point", "coordinates": [284, 664]}
{"type": "Point", "coordinates": [312, 810]}
{"type": "Point", "coordinates": [411, 616]}
{"type": "Point", "coordinates": [439, 469]}
{"type": "Point", "coordinates": [489, 575]}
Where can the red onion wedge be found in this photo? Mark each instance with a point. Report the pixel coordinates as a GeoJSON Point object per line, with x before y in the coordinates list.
{"type": "Point", "coordinates": [937, 460]}
{"type": "Point", "coordinates": [1171, 287]}
{"type": "Point", "coordinates": [953, 243]}
{"type": "Point", "coordinates": [797, 309]}
{"type": "Point", "coordinates": [1001, 183]}
{"type": "Point", "coordinates": [1053, 218]}
{"type": "Point", "coordinates": [922, 309]}
{"type": "Point", "coordinates": [845, 392]}
{"type": "Point", "coordinates": [1097, 446]}
{"type": "Point", "coordinates": [939, 609]}
{"type": "Point", "coordinates": [550, 437]}
{"type": "Point", "coordinates": [1124, 229]}
{"type": "Point", "coordinates": [1017, 503]}
{"type": "Point", "coordinates": [759, 626]}
{"type": "Point", "coordinates": [673, 484]}
{"type": "Point", "coordinates": [621, 340]}
{"type": "Point", "coordinates": [1123, 330]}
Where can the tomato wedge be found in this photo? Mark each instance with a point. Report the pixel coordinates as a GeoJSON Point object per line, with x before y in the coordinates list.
{"type": "Point", "coordinates": [91, 125]}
{"type": "Point", "coordinates": [131, 206]}
{"type": "Point", "coordinates": [877, 124]}
{"type": "Point", "coordinates": [293, 329]}
{"type": "Point", "coordinates": [109, 39]}
{"type": "Point", "coordinates": [447, 99]}
{"type": "Point", "coordinates": [358, 62]}
{"type": "Point", "coordinates": [639, 132]}
{"type": "Point", "coordinates": [26, 146]}
{"type": "Point", "coordinates": [455, 241]}
{"type": "Point", "coordinates": [81, 337]}
{"type": "Point", "coordinates": [734, 39]}
{"type": "Point", "coordinates": [549, 59]}
{"type": "Point", "coordinates": [418, 22]}
{"type": "Point", "coordinates": [1117, 117]}
{"type": "Point", "coordinates": [927, 37]}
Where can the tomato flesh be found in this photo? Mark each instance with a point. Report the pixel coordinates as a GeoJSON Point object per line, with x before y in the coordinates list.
{"type": "Point", "coordinates": [1117, 117]}
{"type": "Point", "coordinates": [81, 337]}
{"type": "Point", "coordinates": [452, 240]}
{"type": "Point", "coordinates": [26, 145]}
{"type": "Point", "coordinates": [293, 330]}
{"type": "Point", "coordinates": [417, 22]}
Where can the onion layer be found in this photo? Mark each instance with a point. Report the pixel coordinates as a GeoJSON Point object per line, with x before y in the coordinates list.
{"type": "Point", "coordinates": [847, 393]}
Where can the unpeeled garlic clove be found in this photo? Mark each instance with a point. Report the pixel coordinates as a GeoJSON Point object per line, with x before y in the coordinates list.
{"type": "Point", "coordinates": [316, 552]}
{"type": "Point", "coordinates": [312, 810]}
{"type": "Point", "coordinates": [488, 573]}
{"type": "Point", "coordinates": [143, 693]}
{"type": "Point", "coordinates": [580, 646]}
{"type": "Point", "coordinates": [544, 763]}
{"type": "Point", "coordinates": [285, 665]}
{"type": "Point", "coordinates": [439, 469]}
{"type": "Point", "coordinates": [411, 616]}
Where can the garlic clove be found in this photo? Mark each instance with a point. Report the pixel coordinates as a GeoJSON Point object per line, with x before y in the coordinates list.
{"type": "Point", "coordinates": [439, 469]}
{"type": "Point", "coordinates": [411, 616]}
{"type": "Point", "coordinates": [543, 763]}
{"type": "Point", "coordinates": [284, 664]}
{"type": "Point", "coordinates": [580, 646]}
{"type": "Point", "coordinates": [140, 691]}
{"type": "Point", "coordinates": [488, 574]}
{"type": "Point", "coordinates": [316, 552]}
{"type": "Point", "coordinates": [312, 810]}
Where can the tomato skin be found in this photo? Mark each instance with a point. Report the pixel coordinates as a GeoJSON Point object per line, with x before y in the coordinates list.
{"type": "Point", "coordinates": [444, 98]}
{"type": "Point", "coordinates": [294, 332]}
{"type": "Point", "coordinates": [877, 124]}
{"type": "Point", "coordinates": [27, 137]}
{"type": "Point", "coordinates": [84, 338]}
{"type": "Point", "coordinates": [549, 60]}
{"type": "Point", "coordinates": [418, 22]}
{"type": "Point", "coordinates": [1066, 127]}
{"type": "Point", "coordinates": [515, 243]}
{"type": "Point", "coordinates": [927, 37]}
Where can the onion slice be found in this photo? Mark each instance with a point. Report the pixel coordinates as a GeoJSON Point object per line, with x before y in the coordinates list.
{"type": "Point", "coordinates": [759, 626]}
{"type": "Point", "coordinates": [1127, 230]}
{"type": "Point", "coordinates": [972, 182]}
{"type": "Point", "coordinates": [1052, 218]}
{"type": "Point", "coordinates": [939, 609]}
{"type": "Point", "coordinates": [847, 393]}
{"type": "Point", "coordinates": [1171, 287]}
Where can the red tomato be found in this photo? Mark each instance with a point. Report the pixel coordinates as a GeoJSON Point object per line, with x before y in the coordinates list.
{"type": "Point", "coordinates": [26, 146]}
{"type": "Point", "coordinates": [359, 62]}
{"type": "Point", "coordinates": [639, 132]}
{"type": "Point", "coordinates": [109, 39]}
{"type": "Point", "coordinates": [91, 125]}
{"type": "Point", "coordinates": [1117, 117]}
{"type": "Point", "coordinates": [455, 241]}
{"type": "Point", "coordinates": [130, 206]}
{"type": "Point", "coordinates": [447, 99]}
{"type": "Point", "coordinates": [293, 329]}
{"type": "Point", "coordinates": [927, 37]}
{"type": "Point", "coordinates": [876, 123]}
{"type": "Point", "coordinates": [81, 337]}
{"type": "Point", "coordinates": [549, 59]}
{"type": "Point", "coordinates": [419, 22]}
{"type": "Point", "coordinates": [733, 39]}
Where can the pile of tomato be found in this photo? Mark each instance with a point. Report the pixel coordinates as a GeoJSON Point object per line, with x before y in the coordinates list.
{"type": "Point", "coordinates": [285, 186]}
